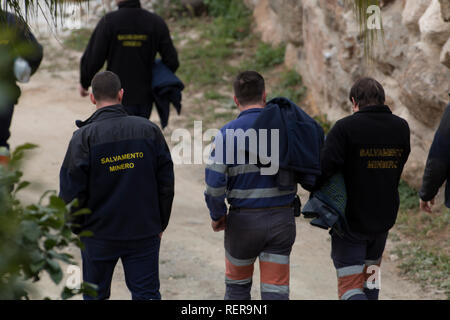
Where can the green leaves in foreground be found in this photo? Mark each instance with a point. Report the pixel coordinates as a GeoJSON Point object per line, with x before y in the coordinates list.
{"type": "Point", "coordinates": [33, 238]}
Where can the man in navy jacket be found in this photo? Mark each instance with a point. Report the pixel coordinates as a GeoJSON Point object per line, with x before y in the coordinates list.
{"type": "Point", "coordinates": [119, 166]}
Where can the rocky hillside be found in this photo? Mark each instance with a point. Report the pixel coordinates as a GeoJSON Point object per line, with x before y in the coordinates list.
{"type": "Point", "coordinates": [413, 64]}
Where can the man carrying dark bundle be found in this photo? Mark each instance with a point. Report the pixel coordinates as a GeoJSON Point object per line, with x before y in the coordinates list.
{"type": "Point", "coordinates": [370, 149]}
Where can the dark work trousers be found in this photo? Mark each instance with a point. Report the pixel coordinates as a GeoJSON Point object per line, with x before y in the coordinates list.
{"type": "Point", "coordinates": [140, 260]}
{"type": "Point", "coordinates": [6, 113]}
{"type": "Point", "coordinates": [140, 111]}
{"type": "Point", "coordinates": [267, 234]}
{"type": "Point", "coordinates": [357, 259]}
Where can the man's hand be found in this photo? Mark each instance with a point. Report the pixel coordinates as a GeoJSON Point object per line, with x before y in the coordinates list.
{"type": "Point", "coordinates": [83, 91]}
{"type": "Point", "coordinates": [220, 224]}
{"type": "Point", "coordinates": [427, 205]}
{"type": "Point", "coordinates": [160, 235]}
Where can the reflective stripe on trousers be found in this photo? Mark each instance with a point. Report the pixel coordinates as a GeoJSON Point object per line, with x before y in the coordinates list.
{"type": "Point", "coordinates": [274, 273]}
{"type": "Point", "coordinates": [267, 234]}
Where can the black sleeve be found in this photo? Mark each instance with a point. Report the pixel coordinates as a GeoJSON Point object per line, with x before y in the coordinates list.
{"type": "Point", "coordinates": [95, 55]}
{"type": "Point", "coordinates": [35, 54]}
{"type": "Point", "coordinates": [437, 168]}
{"type": "Point", "coordinates": [32, 52]}
{"type": "Point", "coordinates": [74, 176]}
{"type": "Point", "coordinates": [333, 154]}
{"type": "Point", "coordinates": [166, 48]}
{"type": "Point", "coordinates": [165, 180]}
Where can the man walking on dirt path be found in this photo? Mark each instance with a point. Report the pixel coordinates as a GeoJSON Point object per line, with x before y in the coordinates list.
{"type": "Point", "coordinates": [370, 148]}
{"type": "Point", "coordinates": [260, 222]}
{"type": "Point", "coordinates": [20, 57]}
{"type": "Point", "coordinates": [128, 40]}
{"type": "Point", "coordinates": [119, 166]}
{"type": "Point", "coordinates": [437, 170]}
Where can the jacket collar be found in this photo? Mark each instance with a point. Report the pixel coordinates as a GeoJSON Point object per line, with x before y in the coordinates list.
{"type": "Point", "coordinates": [248, 111]}
{"type": "Point", "coordinates": [375, 109]}
{"type": "Point", "coordinates": [104, 113]}
{"type": "Point", "coordinates": [130, 4]}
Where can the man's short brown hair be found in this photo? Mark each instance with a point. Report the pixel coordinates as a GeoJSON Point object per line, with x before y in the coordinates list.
{"type": "Point", "coordinates": [249, 87]}
{"type": "Point", "coordinates": [106, 86]}
{"type": "Point", "coordinates": [367, 91]}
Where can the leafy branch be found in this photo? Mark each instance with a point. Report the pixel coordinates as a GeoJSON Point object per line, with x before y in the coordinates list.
{"type": "Point", "coordinates": [33, 237]}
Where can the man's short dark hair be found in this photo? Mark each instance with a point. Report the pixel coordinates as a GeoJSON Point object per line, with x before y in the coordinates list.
{"type": "Point", "coordinates": [367, 91]}
{"type": "Point", "coordinates": [106, 86]}
{"type": "Point", "coordinates": [249, 87]}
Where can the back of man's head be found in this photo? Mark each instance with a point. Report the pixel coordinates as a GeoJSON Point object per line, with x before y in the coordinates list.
{"type": "Point", "coordinates": [367, 91]}
{"type": "Point", "coordinates": [249, 88]}
{"type": "Point", "coordinates": [106, 86]}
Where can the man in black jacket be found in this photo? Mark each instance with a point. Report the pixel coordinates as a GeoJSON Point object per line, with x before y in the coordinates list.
{"type": "Point", "coordinates": [16, 42]}
{"type": "Point", "coordinates": [128, 40]}
{"type": "Point", "coordinates": [119, 166]}
{"type": "Point", "coordinates": [370, 148]}
{"type": "Point", "coordinates": [437, 170]}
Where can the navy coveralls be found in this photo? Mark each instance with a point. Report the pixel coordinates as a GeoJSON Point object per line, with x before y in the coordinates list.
{"type": "Point", "coordinates": [119, 166]}
{"type": "Point", "coordinates": [260, 223]}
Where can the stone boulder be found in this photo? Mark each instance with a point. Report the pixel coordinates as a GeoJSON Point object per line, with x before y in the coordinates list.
{"type": "Point", "coordinates": [413, 11]}
{"type": "Point", "coordinates": [445, 10]}
{"type": "Point", "coordinates": [445, 54]}
{"type": "Point", "coordinates": [432, 26]}
{"type": "Point", "coordinates": [412, 62]}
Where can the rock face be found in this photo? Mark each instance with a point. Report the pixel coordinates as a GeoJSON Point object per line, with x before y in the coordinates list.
{"type": "Point", "coordinates": [323, 44]}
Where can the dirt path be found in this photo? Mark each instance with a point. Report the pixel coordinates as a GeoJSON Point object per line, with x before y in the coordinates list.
{"type": "Point", "coordinates": [192, 256]}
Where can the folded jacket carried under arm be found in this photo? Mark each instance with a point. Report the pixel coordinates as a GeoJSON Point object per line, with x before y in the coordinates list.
{"type": "Point", "coordinates": [166, 87]}
{"type": "Point", "coordinates": [300, 141]}
{"type": "Point", "coordinates": [327, 205]}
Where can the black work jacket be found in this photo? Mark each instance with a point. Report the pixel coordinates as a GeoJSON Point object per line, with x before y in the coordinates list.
{"type": "Point", "coordinates": [128, 40]}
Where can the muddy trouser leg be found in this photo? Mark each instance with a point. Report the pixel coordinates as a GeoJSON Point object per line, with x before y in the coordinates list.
{"type": "Point", "coordinates": [372, 269]}
{"type": "Point", "coordinates": [354, 259]}
{"type": "Point", "coordinates": [274, 259]}
{"type": "Point", "coordinates": [244, 240]}
{"type": "Point", "coordinates": [6, 113]}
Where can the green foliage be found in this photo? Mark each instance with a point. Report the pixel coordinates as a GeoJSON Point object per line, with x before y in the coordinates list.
{"type": "Point", "coordinates": [78, 39]}
{"type": "Point", "coordinates": [425, 266]}
{"type": "Point", "coordinates": [168, 9]}
{"type": "Point", "coordinates": [408, 196]}
{"type": "Point", "coordinates": [290, 86]}
{"type": "Point", "coordinates": [323, 121]}
{"type": "Point", "coordinates": [203, 63]}
{"type": "Point", "coordinates": [31, 8]}
{"type": "Point", "coordinates": [33, 237]}
{"type": "Point", "coordinates": [214, 95]}
{"type": "Point", "coordinates": [231, 19]}
{"type": "Point", "coordinates": [369, 36]}
{"type": "Point", "coordinates": [266, 56]}
{"type": "Point", "coordinates": [425, 258]}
